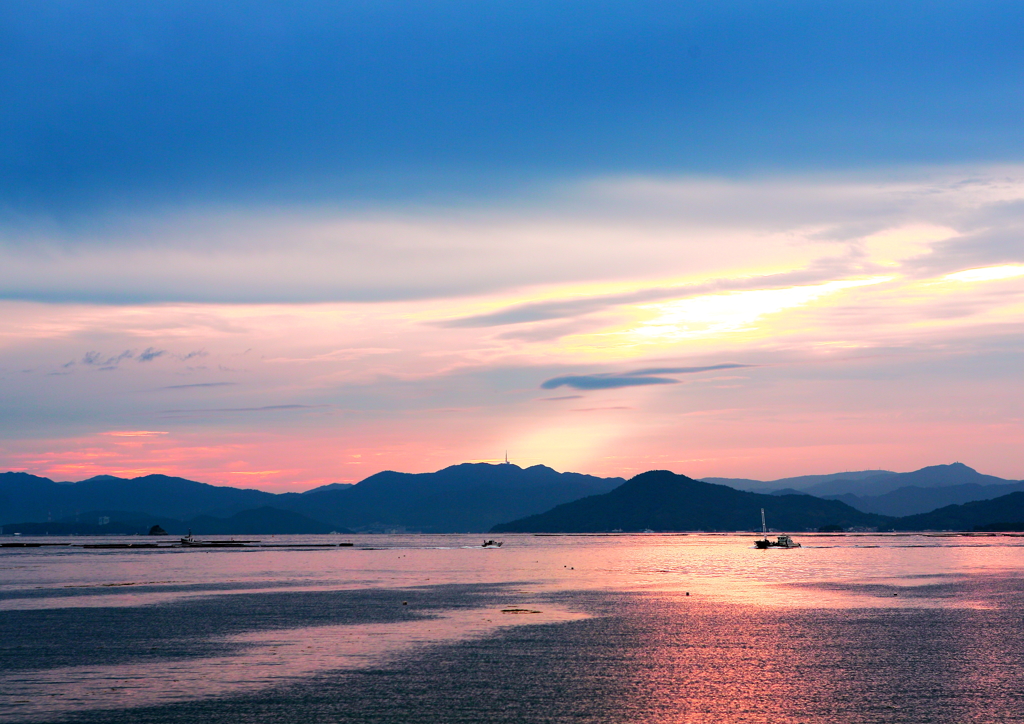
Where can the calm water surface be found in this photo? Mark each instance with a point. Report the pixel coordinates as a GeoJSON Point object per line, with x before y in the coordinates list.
{"type": "Point", "coordinates": [627, 628]}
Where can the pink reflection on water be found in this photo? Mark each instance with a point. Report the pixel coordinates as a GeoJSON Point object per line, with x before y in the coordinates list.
{"type": "Point", "coordinates": [720, 567]}
{"type": "Point", "coordinates": [270, 658]}
{"type": "Point", "coordinates": [763, 635]}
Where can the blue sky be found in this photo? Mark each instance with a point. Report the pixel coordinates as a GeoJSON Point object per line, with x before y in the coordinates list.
{"type": "Point", "coordinates": [117, 104]}
{"type": "Point", "coordinates": [285, 244]}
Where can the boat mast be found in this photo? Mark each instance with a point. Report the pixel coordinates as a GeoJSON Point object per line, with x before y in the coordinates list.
{"type": "Point", "coordinates": [764, 528]}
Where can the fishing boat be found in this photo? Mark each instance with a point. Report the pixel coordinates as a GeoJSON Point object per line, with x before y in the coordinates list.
{"type": "Point", "coordinates": [492, 543]}
{"type": "Point", "coordinates": [783, 541]}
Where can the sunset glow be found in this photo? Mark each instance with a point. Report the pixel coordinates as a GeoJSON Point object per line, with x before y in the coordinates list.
{"type": "Point", "coordinates": [288, 396]}
{"type": "Point", "coordinates": [718, 258]}
{"type": "Point", "coordinates": [989, 274]}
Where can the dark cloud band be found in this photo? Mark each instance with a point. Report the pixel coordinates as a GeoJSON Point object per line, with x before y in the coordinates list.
{"type": "Point", "coordinates": [636, 378]}
{"type": "Point", "coordinates": [602, 382]}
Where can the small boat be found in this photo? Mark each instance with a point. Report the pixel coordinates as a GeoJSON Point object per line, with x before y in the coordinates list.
{"type": "Point", "coordinates": [783, 541]}
{"type": "Point", "coordinates": [492, 543]}
{"type": "Point", "coordinates": [188, 540]}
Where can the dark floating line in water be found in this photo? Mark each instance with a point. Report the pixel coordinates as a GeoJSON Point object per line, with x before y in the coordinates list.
{"type": "Point", "coordinates": [205, 545]}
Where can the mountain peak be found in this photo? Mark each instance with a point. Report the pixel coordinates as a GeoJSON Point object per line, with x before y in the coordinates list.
{"type": "Point", "coordinates": [952, 470]}
{"type": "Point", "coordinates": [661, 477]}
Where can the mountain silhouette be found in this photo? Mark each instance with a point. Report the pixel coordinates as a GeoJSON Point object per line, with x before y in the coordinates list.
{"type": "Point", "coordinates": [895, 494]}
{"type": "Point", "coordinates": [475, 497]}
{"type": "Point", "coordinates": [913, 500]}
{"type": "Point", "coordinates": [660, 500]}
{"type": "Point", "coordinates": [1003, 513]}
{"type": "Point", "coordinates": [470, 497]}
{"type": "Point", "coordinates": [800, 482]}
{"type": "Point", "coordinates": [458, 499]}
{"type": "Point", "coordinates": [933, 476]}
{"type": "Point", "coordinates": [25, 497]}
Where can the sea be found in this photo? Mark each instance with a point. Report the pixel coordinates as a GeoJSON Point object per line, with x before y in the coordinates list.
{"type": "Point", "coordinates": [847, 628]}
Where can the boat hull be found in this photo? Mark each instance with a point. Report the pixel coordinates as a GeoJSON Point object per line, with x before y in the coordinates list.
{"type": "Point", "coordinates": [765, 544]}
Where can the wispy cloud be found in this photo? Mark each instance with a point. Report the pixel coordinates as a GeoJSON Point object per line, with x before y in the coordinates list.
{"type": "Point", "coordinates": [623, 308]}
{"type": "Point", "coordinates": [265, 408]}
{"type": "Point", "coordinates": [567, 308]}
{"type": "Point", "coordinates": [604, 382]}
{"type": "Point", "coordinates": [685, 370]}
{"type": "Point", "coordinates": [775, 232]}
{"type": "Point", "coordinates": [636, 378]}
{"type": "Point", "coordinates": [134, 433]}
{"type": "Point", "coordinates": [150, 354]}
{"type": "Point", "coordinates": [95, 359]}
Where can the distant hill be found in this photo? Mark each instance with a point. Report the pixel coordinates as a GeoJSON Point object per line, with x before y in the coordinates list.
{"type": "Point", "coordinates": [913, 500]}
{"type": "Point", "coordinates": [888, 493]}
{"type": "Point", "coordinates": [800, 482]}
{"type": "Point", "coordinates": [329, 486]}
{"type": "Point", "coordinates": [660, 500]}
{"type": "Point", "coordinates": [470, 497]}
{"type": "Point", "coordinates": [1003, 513]}
{"type": "Point", "coordinates": [461, 498]}
{"type": "Point", "coordinates": [25, 497]}
{"type": "Point", "coordinates": [934, 476]}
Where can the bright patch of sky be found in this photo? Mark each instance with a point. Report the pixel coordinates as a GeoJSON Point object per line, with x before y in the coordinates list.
{"type": "Point", "coordinates": [992, 273]}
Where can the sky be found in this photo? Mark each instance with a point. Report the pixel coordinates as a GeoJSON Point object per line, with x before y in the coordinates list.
{"type": "Point", "coordinates": [279, 245]}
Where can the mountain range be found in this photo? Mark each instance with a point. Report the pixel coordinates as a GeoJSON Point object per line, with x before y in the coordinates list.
{"type": "Point", "coordinates": [660, 500]}
{"type": "Point", "coordinates": [888, 493]}
{"type": "Point", "coordinates": [475, 497]}
{"type": "Point", "coordinates": [457, 499]}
